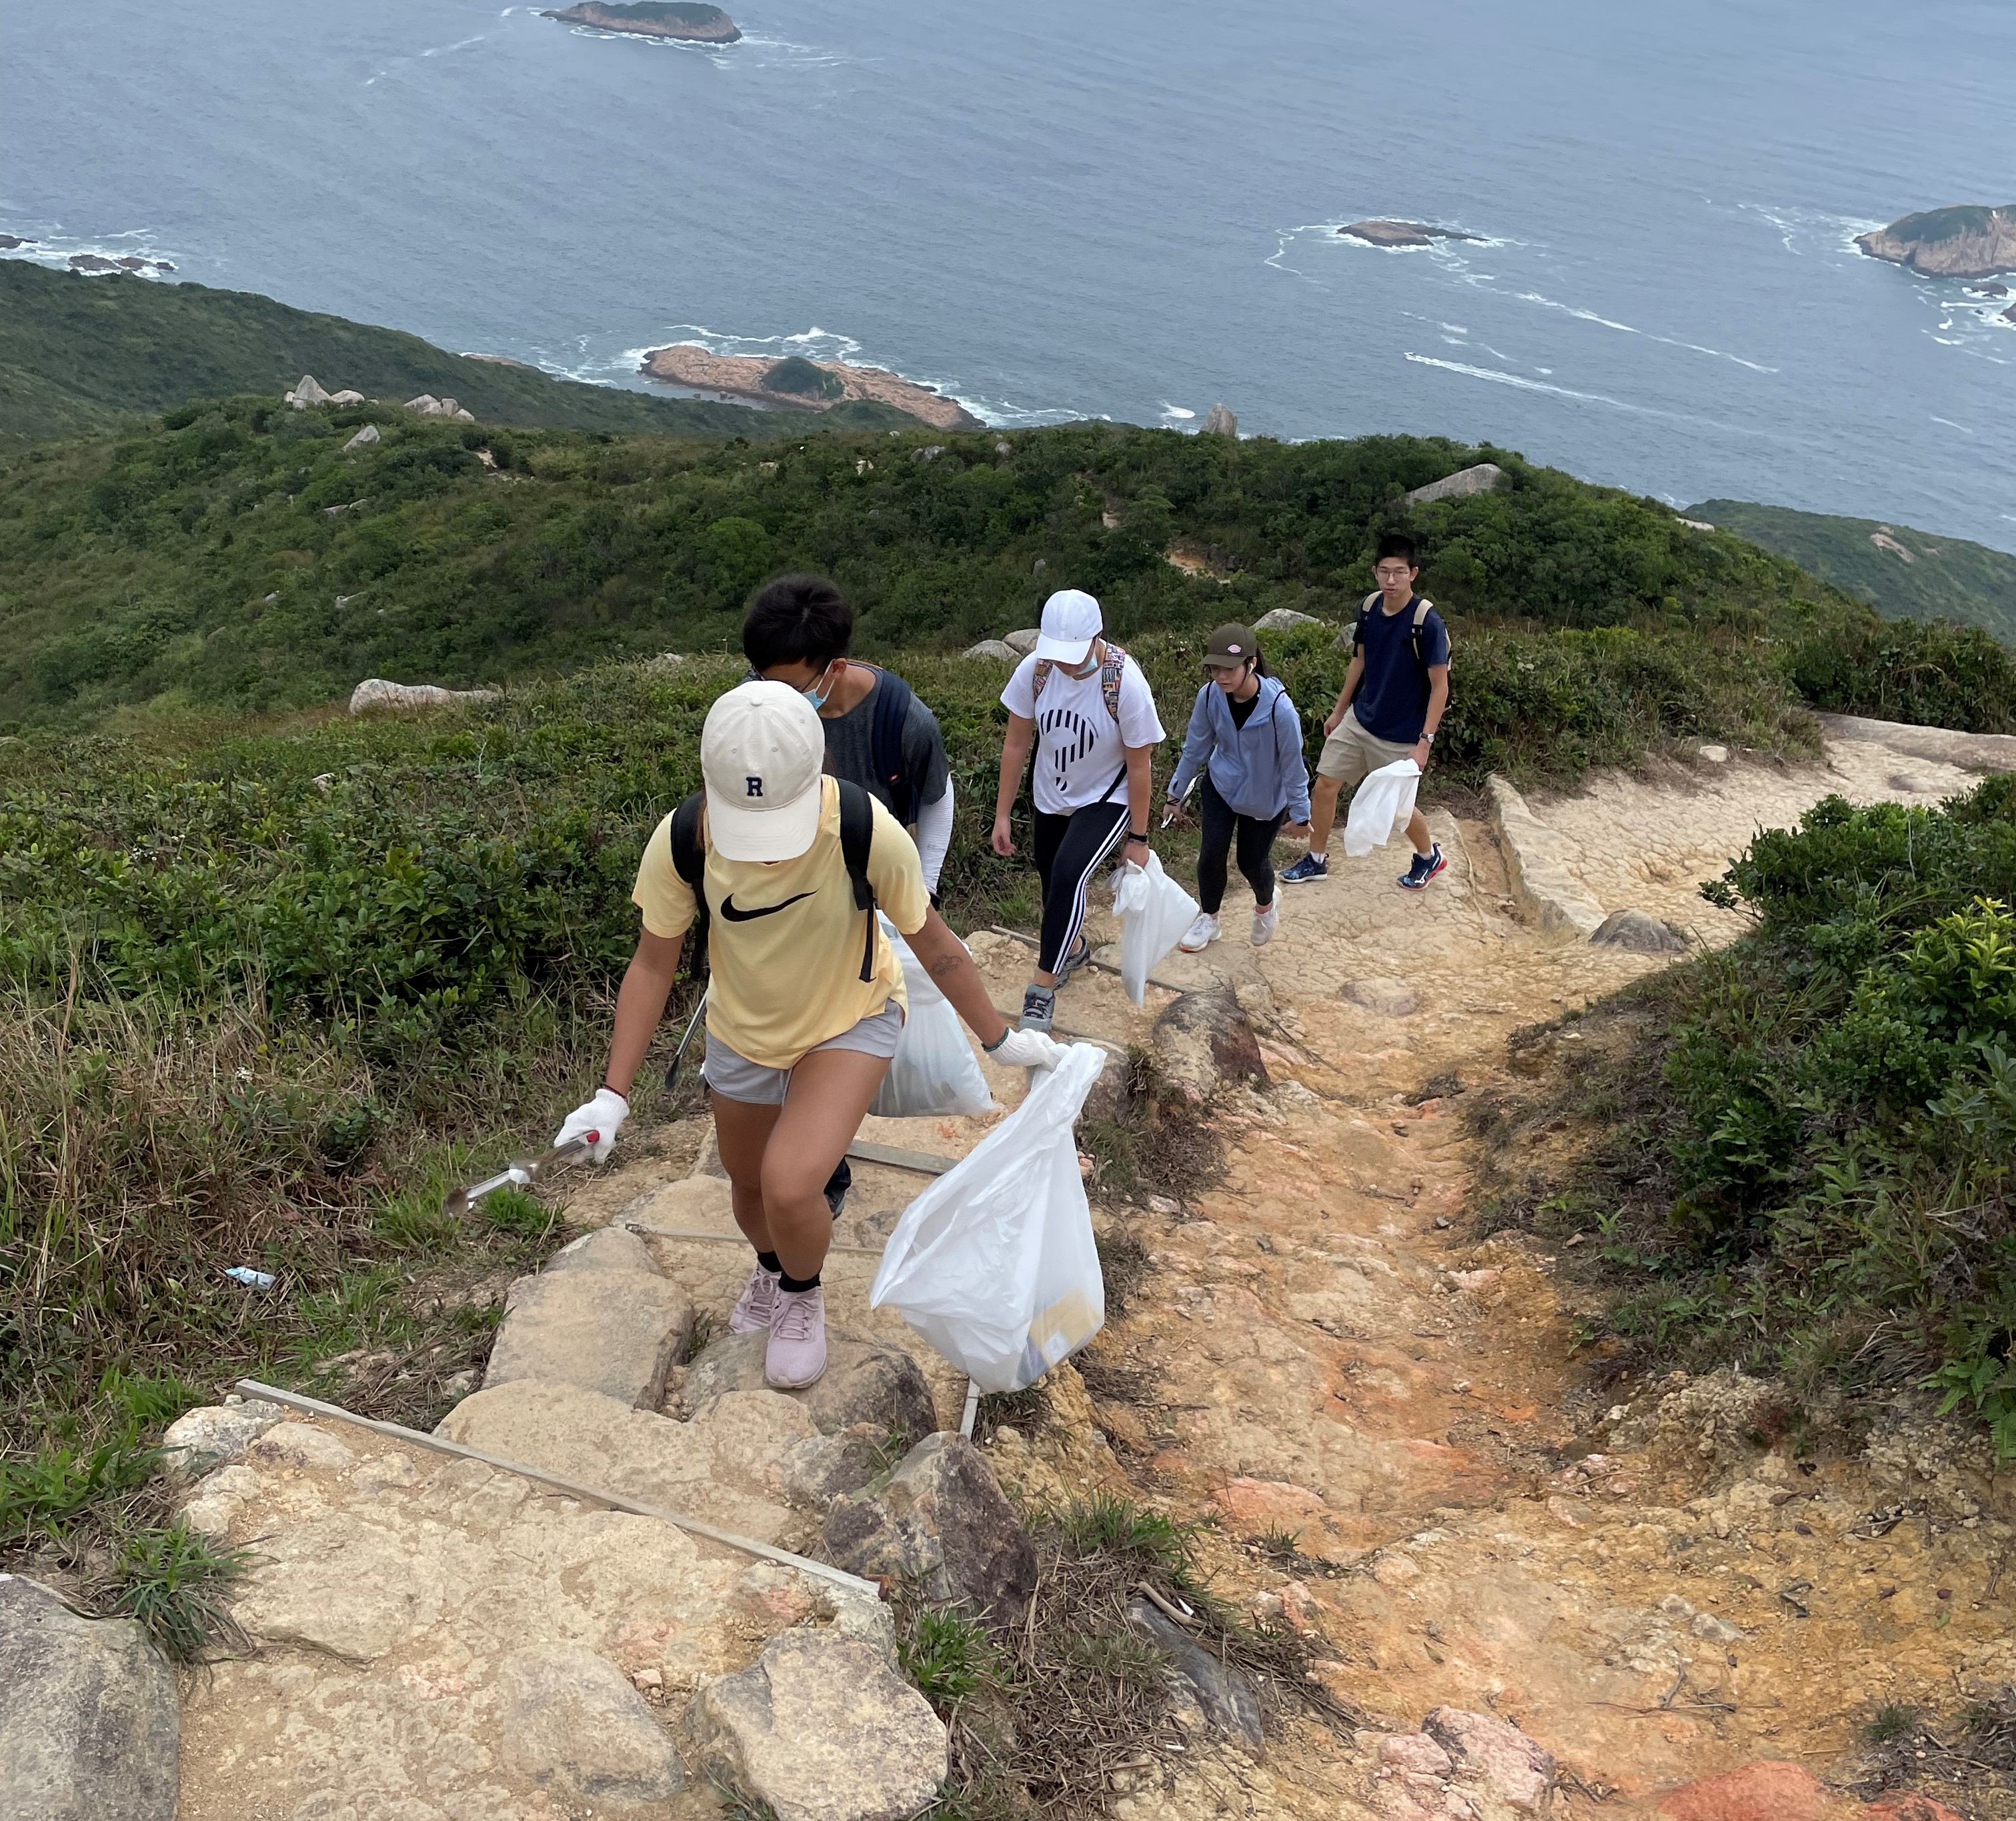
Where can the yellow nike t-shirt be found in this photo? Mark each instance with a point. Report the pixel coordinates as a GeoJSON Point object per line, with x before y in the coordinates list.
{"type": "Point", "coordinates": [785, 940]}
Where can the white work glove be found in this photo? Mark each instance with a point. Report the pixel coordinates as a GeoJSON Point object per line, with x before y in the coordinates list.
{"type": "Point", "coordinates": [1027, 1050]}
{"type": "Point", "coordinates": [604, 1116]}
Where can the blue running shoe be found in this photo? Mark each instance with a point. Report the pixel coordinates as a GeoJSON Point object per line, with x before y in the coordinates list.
{"type": "Point", "coordinates": [1426, 866]}
{"type": "Point", "coordinates": [1307, 868]}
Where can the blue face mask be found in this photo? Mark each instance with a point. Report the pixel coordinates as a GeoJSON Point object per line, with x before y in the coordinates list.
{"type": "Point", "coordinates": [817, 695]}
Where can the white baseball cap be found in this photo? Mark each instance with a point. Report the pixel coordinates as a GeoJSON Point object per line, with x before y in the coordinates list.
{"type": "Point", "coordinates": [1071, 621]}
{"type": "Point", "coordinates": [761, 754]}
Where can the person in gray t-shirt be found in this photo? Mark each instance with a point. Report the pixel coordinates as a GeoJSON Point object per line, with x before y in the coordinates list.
{"type": "Point", "coordinates": [878, 735]}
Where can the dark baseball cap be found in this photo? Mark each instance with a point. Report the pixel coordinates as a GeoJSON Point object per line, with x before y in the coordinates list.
{"type": "Point", "coordinates": [1232, 644]}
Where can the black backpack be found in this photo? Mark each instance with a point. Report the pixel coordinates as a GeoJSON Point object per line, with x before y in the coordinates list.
{"type": "Point", "coordinates": [857, 836]}
{"type": "Point", "coordinates": [1422, 607]}
{"type": "Point", "coordinates": [893, 697]}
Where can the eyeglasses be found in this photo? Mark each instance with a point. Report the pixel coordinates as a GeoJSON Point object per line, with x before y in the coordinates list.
{"type": "Point", "coordinates": [1392, 572]}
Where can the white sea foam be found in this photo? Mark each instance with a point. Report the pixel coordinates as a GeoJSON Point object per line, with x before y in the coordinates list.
{"type": "Point", "coordinates": [1582, 315]}
{"type": "Point", "coordinates": [1950, 425]}
{"type": "Point", "coordinates": [447, 50]}
{"type": "Point", "coordinates": [54, 248]}
{"type": "Point", "coordinates": [1175, 410]}
{"type": "Point", "coordinates": [1520, 383]}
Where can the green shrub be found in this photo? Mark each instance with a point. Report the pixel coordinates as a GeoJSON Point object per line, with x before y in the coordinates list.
{"type": "Point", "coordinates": [1818, 1179]}
{"type": "Point", "coordinates": [798, 377]}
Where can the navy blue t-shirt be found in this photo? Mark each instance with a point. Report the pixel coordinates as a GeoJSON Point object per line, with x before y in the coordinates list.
{"type": "Point", "coordinates": [1392, 698]}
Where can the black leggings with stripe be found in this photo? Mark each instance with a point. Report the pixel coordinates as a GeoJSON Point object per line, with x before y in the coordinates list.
{"type": "Point", "coordinates": [1069, 849]}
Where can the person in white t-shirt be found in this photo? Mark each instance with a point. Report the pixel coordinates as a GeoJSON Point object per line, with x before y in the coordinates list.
{"type": "Point", "coordinates": [1087, 709]}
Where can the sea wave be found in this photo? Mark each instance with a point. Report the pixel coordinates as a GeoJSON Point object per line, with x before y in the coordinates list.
{"type": "Point", "coordinates": [50, 245]}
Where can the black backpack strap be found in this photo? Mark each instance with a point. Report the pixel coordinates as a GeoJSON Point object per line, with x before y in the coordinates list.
{"type": "Point", "coordinates": [689, 862]}
{"type": "Point", "coordinates": [857, 836]}
{"type": "Point", "coordinates": [890, 717]}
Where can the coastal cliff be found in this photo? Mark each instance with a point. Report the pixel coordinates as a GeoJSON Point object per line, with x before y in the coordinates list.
{"type": "Point", "coordinates": [680, 19]}
{"type": "Point", "coordinates": [785, 383]}
{"type": "Point", "coordinates": [1971, 242]}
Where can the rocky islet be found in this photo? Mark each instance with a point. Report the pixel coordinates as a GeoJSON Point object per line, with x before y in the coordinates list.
{"type": "Point", "coordinates": [1968, 241]}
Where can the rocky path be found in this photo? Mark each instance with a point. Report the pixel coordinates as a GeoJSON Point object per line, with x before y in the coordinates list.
{"type": "Point", "coordinates": [1544, 1603]}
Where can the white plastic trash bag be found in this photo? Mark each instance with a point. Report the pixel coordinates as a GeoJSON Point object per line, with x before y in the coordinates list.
{"type": "Point", "coordinates": [1155, 911]}
{"type": "Point", "coordinates": [1380, 805]}
{"type": "Point", "coordinates": [994, 1264]}
{"type": "Point", "coordinates": [933, 1070]}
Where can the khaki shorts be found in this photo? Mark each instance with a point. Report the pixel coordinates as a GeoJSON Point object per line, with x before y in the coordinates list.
{"type": "Point", "coordinates": [734, 1077]}
{"type": "Point", "coordinates": [1351, 754]}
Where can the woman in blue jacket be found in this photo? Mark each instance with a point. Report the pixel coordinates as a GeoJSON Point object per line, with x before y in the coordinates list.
{"type": "Point", "coordinates": [1245, 738]}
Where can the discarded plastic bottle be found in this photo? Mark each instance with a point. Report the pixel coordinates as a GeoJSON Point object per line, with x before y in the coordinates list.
{"type": "Point", "coordinates": [252, 1279]}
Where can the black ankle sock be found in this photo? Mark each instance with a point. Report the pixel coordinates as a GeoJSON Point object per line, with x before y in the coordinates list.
{"type": "Point", "coordinates": [770, 1262]}
{"type": "Point", "coordinates": [797, 1285]}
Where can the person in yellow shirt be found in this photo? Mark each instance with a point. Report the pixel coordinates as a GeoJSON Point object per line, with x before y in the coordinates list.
{"type": "Point", "coordinates": [806, 1002]}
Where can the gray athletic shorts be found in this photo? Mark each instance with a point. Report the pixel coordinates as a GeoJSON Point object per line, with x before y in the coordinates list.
{"type": "Point", "coordinates": [734, 1077]}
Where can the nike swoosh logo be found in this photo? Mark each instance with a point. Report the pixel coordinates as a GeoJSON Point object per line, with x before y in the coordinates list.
{"type": "Point", "coordinates": [749, 916]}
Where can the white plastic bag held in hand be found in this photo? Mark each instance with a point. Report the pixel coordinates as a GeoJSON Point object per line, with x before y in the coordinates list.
{"type": "Point", "coordinates": [1383, 801]}
{"type": "Point", "coordinates": [933, 1070]}
{"type": "Point", "coordinates": [1155, 911]}
{"type": "Point", "coordinates": [994, 1264]}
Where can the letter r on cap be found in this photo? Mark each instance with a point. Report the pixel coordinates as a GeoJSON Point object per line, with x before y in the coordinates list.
{"type": "Point", "coordinates": [755, 786]}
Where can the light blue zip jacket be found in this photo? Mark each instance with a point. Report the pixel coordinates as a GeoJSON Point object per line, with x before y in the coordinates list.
{"type": "Point", "coordinates": [1256, 768]}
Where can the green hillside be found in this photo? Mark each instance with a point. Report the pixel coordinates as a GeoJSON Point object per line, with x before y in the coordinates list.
{"type": "Point", "coordinates": [79, 355]}
{"type": "Point", "coordinates": [1941, 578]}
{"type": "Point", "coordinates": [237, 555]}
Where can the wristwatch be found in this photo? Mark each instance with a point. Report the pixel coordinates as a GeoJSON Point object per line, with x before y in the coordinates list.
{"type": "Point", "coordinates": [1133, 837]}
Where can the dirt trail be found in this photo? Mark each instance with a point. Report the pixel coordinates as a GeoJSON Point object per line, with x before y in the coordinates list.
{"type": "Point", "coordinates": [1371, 1404]}
{"type": "Point", "coordinates": [1376, 1411]}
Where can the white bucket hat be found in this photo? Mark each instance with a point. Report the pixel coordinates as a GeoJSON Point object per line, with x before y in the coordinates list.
{"type": "Point", "coordinates": [760, 754]}
{"type": "Point", "coordinates": [1071, 621]}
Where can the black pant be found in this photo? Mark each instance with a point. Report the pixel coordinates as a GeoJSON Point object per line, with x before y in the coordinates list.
{"type": "Point", "coordinates": [1256, 851]}
{"type": "Point", "coordinates": [1068, 850]}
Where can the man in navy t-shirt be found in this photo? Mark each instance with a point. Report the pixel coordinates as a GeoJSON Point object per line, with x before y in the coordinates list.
{"type": "Point", "coordinates": [1391, 704]}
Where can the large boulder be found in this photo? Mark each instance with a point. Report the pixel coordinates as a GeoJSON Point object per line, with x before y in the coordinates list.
{"type": "Point", "coordinates": [306, 394]}
{"type": "Point", "coordinates": [821, 1729]}
{"type": "Point", "coordinates": [997, 650]}
{"type": "Point", "coordinates": [1022, 642]}
{"type": "Point", "coordinates": [1281, 619]}
{"type": "Point", "coordinates": [90, 1729]}
{"type": "Point", "coordinates": [616, 1330]}
{"type": "Point", "coordinates": [866, 1380]}
{"type": "Point", "coordinates": [376, 693]}
{"type": "Point", "coordinates": [942, 1524]}
{"type": "Point", "coordinates": [1219, 421]}
{"type": "Point", "coordinates": [364, 438]}
{"type": "Point", "coordinates": [575, 1726]}
{"type": "Point", "coordinates": [1460, 485]}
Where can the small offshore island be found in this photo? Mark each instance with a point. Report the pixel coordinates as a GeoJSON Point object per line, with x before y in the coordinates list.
{"type": "Point", "coordinates": [1972, 241]}
{"type": "Point", "coordinates": [681, 19]}
{"type": "Point", "coordinates": [1401, 233]}
{"type": "Point", "coordinates": [799, 384]}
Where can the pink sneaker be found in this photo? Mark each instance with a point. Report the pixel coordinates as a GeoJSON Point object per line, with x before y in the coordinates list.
{"type": "Point", "coordinates": [796, 1357]}
{"type": "Point", "coordinates": [757, 1303]}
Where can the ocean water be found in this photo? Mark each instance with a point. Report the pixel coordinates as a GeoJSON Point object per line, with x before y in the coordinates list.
{"type": "Point", "coordinates": [1127, 210]}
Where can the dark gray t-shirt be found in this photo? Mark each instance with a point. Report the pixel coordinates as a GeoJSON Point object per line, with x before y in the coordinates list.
{"type": "Point", "coordinates": [850, 748]}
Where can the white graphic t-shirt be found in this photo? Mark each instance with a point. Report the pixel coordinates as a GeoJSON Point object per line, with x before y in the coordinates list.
{"type": "Point", "coordinates": [1081, 755]}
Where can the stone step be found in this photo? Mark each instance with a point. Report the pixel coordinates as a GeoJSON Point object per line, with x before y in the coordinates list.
{"type": "Point", "coordinates": [595, 1322]}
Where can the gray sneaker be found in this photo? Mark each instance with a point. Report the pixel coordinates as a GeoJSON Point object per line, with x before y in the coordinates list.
{"type": "Point", "coordinates": [1079, 957]}
{"type": "Point", "coordinates": [1039, 1009]}
{"type": "Point", "coordinates": [796, 1356]}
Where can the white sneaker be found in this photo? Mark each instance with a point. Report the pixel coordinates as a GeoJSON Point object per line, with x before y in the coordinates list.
{"type": "Point", "coordinates": [796, 1355]}
{"type": "Point", "coordinates": [1200, 934]}
{"type": "Point", "coordinates": [1266, 923]}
